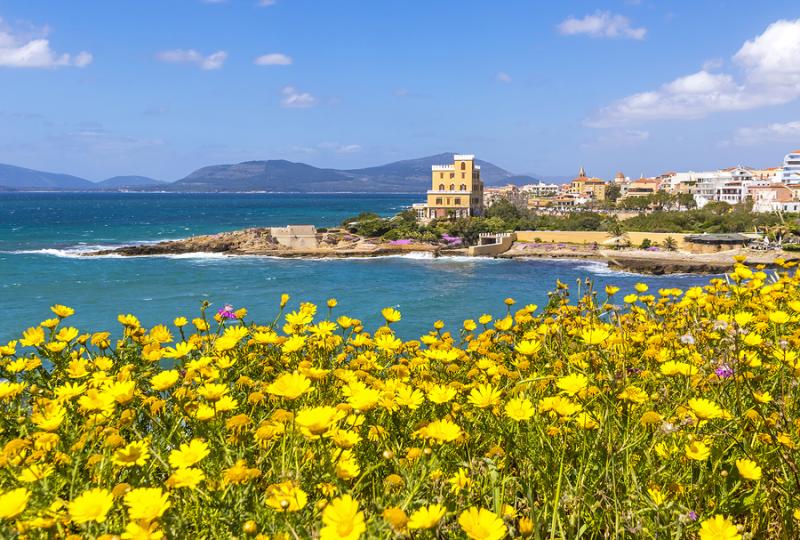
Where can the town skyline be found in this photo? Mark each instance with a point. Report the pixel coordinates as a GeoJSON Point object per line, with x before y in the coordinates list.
{"type": "Point", "coordinates": [541, 90]}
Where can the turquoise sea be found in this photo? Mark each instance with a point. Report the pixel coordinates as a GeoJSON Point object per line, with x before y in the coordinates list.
{"type": "Point", "coordinates": [43, 234]}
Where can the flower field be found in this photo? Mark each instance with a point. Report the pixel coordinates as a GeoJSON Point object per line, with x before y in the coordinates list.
{"type": "Point", "coordinates": [639, 414]}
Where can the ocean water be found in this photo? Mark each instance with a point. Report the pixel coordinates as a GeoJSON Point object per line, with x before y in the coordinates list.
{"type": "Point", "coordinates": [43, 234]}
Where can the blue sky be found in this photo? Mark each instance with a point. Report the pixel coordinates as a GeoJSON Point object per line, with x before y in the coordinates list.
{"type": "Point", "coordinates": [162, 87]}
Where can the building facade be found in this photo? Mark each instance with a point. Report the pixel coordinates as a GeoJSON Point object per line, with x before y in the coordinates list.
{"type": "Point", "coordinates": [791, 167]}
{"type": "Point", "coordinates": [582, 186]}
{"type": "Point", "coordinates": [456, 190]}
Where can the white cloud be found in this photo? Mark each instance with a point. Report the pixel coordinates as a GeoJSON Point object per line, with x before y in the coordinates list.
{"type": "Point", "coordinates": [191, 56]}
{"type": "Point", "coordinates": [712, 64]}
{"type": "Point", "coordinates": [749, 136]}
{"type": "Point", "coordinates": [340, 148]}
{"type": "Point", "coordinates": [18, 50]}
{"type": "Point", "coordinates": [601, 24]}
{"type": "Point", "coordinates": [503, 77]}
{"type": "Point", "coordinates": [273, 59]}
{"type": "Point", "coordinates": [770, 65]}
{"type": "Point", "coordinates": [293, 98]}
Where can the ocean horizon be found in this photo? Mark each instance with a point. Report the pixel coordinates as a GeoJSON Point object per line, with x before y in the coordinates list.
{"type": "Point", "coordinates": [42, 237]}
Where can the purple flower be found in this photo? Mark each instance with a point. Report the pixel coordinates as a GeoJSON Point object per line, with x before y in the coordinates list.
{"type": "Point", "coordinates": [693, 515]}
{"type": "Point", "coordinates": [401, 242]}
{"type": "Point", "coordinates": [724, 371]}
{"type": "Point", "coordinates": [227, 312]}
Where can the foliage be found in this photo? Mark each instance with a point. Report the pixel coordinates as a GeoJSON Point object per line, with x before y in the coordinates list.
{"type": "Point", "coordinates": [672, 417]}
{"type": "Point", "coordinates": [646, 243]}
{"type": "Point", "coordinates": [670, 244]}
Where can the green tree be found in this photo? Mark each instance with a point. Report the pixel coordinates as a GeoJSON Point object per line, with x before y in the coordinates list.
{"type": "Point", "coordinates": [503, 209]}
{"type": "Point", "coordinates": [613, 191]}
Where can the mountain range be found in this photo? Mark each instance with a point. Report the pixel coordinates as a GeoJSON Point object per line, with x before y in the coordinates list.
{"type": "Point", "coordinates": [411, 175]}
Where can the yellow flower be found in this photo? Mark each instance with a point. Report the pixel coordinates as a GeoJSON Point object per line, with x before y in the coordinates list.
{"type": "Point", "coordinates": [409, 397]}
{"type": "Point", "coordinates": [290, 385]}
{"type": "Point", "coordinates": [585, 420]}
{"type": "Point", "coordinates": [641, 288]}
{"type": "Point", "coordinates": [13, 502]}
{"type": "Point", "coordinates": [633, 394]}
{"type": "Point", "coordinates": [528, 348]}
{"type": "Point", "coordinates": [362, 398]}
{"type": "Point", "coordinates": [179, 351]}
{"type": "Point", "coordinates": [459, 480]}
{"type": "Point", "coordinates": [50, 417]}
{"type": "Point", "coordinates": [391, 315]}
{"type": "Point", "coordinates": [743, 318]}
{"type": "Point", "coordinates": [146, 504]}
{"type": "Point", "coordinates": [32, 337]}
{"type": "Point", "coordinates": [484, 395]}
{"type": "Point", "coordinates": [698, 451]}
{"type": "Point", "coordinates": [213, 391]}
{"type": "Point", "coordinates": [426, 517]}
{"type": "Point", "coordinates": [315, 421]}
{"type": "Point", "coordinates": [91, 505]}
{"type": "Point", "coordinates": [481, 524]}
{"type": "Point", "coordinates": [164, 380]}
{"type": "Point", "coordinates": [672, 367]}
{"type": "Point", "coordinates": [188, 454]}
{"type": "Point", "coordinates": [779, 317]}
{"type": "Point", "coordinates": [396, 518]}
{"type": "Point", "coordinates": [35, 472]}
{"type": "Point", "coordinates": [595, 336]}
{"type": "Point", "coordinates": [656, 495]}
{"type": "Point", "coordinates": [762, 397]}
{"type": "Point", "coordinates": [286, 497]}
{"type": "Point", "coordinates": [135, 453]}
{"type": "Point", "coordinates": [342, 520]}
{"type": "Point", "coordinates": [142, 531]}
{"type": "Point", "coordinates": [10, 390]}
{"type": "Point", "coordinates": [67, 334]}
{"type": "Point", "coordinates": [748, 469]}
{"type": "Point", "coordinates": [186, 478]}
{"type": "Point", "coordinates": [719, 528]}
{"type": "Point", "coordinates": [519, 409]}
{"type": "Point", "coordinates": [62, 311]}
{"type": "Point", "coordinates": [441, 431]}
{"type": "Point", "coordinates": [440, 393]}
{"type": "Point", "coordinates": [573, 383]}
{"type": "Point", "coordinates": [705, 409]}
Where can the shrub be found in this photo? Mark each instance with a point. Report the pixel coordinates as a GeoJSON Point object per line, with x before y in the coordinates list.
{"type": "Point", "coordinates": [579, 419]}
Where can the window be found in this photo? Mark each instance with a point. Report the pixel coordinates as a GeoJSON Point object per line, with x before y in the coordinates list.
{"type": "Point", "coordinates": [448, 200]}
{"type": "Point", "coordinates": [438, 200]}
{"type": "Point", "coordinates": [441, 175]}
{"type": "Point", "coordinates": [457, 200]}
{"type": "Point", "coordinates": [463, 166]}
{"type": "Point", "coordinates": [462, 175]}
{"type": "Point", "coordinates": [463, 187]}
{"type": "Point", "coordinates": [452, 187]}
{"type": "Point", "coordinates": [452, 175]}
{"type": "Point", "coordinates": [441, 187]}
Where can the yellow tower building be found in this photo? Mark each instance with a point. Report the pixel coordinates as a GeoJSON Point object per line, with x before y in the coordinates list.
{"type": "Point", "coordinates": [456, 190]}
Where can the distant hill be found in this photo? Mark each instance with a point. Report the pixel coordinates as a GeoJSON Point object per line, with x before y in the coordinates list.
{"type": "Point", "coordinates": [117, 182]}
{"type": "Point", "coordinates": [277, 175]}
{"type": "Point", "coordinates": [411, 175]}
{"type": "Point", "coordinates": [22, 179]}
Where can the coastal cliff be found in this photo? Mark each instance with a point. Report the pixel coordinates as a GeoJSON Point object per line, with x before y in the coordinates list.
{"type": "Point", "coordinates": [261, 241]}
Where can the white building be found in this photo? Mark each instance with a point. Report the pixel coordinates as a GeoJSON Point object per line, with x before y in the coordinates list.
{"type": "Point", "coordinates": [540, 190]}
{"type": "Point", "coordinates": [791, 167]}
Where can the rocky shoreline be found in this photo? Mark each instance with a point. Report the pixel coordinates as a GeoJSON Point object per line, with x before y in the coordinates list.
{"type": "Point", "coordinates": [340, 244]}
